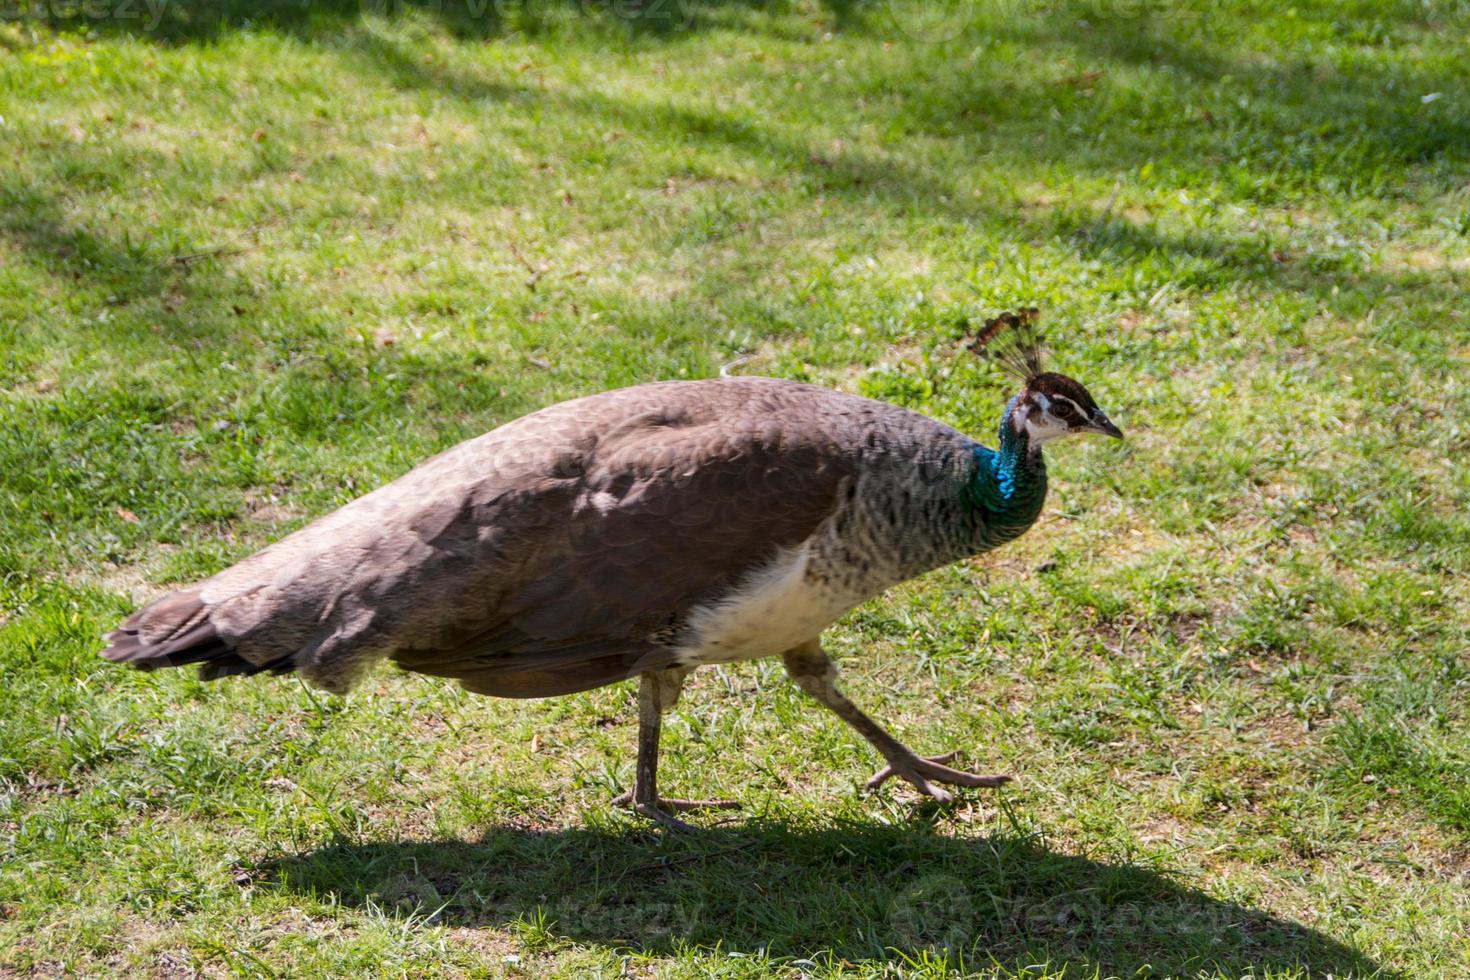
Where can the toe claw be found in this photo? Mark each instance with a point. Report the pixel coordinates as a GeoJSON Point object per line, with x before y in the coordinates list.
{"type": "Point", "coordinates": [663, 810]}
{"type": "Point", "coordinates": [923, 772]}
{"type": "Point", "coordinates": [937, 794]}
{"type": "Point", "coordinates": [659, 815]}
{"type": "Point", "coordinates": [681, 805]}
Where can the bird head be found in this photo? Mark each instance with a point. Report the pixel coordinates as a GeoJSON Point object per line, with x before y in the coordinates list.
{"type": "Point", "coordinates": [1053, 405]}
{"type": "Point", "coordinates": [1050, 404]}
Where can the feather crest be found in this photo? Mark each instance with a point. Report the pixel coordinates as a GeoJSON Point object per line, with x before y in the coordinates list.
{"type": "Point", "coordinates": [1013, 341]}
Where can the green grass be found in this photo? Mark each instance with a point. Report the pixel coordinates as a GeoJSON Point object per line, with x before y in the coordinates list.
{"type": "Point", "coordinates": [267, 256]}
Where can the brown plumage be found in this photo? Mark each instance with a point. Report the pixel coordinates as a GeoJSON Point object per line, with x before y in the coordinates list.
{"type": "Point", "coordinates": [639, 532]}
{"type": "Point", "coordinates": [535, 560]}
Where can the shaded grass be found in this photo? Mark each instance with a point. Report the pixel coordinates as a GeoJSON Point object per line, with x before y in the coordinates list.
{"type": "Point", "coordinates": [767, 891]}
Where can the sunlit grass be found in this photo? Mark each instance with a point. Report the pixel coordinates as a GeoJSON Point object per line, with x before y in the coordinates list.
{"type": "Point", "coordinates": [268, 256]}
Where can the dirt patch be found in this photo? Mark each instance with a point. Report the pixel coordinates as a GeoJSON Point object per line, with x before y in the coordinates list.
{"type": "Point", "coordinates": [270, 508]}
{"type": "Point", "coordinates": [493, 946]}
{"type": "Point", "coordinates": [1424, 260]}
{"type": "Point", "coordinates": [1279, 731]}
{"type": "Point", "coordinates": [1165, 828]}
{"type": "Point", "coordinates": [138, 580]}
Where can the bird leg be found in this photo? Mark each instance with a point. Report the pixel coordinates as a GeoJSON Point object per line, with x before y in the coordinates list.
{"type": "Point", "coordinates": [657, 693]}
{"type": "Point", "coordinates": [813, 671]}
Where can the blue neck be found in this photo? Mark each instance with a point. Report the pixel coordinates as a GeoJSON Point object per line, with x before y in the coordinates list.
{"type": "Point", "coordinates": [1009, 484]}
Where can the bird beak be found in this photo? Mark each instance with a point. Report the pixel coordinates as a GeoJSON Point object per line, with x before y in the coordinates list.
{"type": "Point", "coordinates": [1102, 426]}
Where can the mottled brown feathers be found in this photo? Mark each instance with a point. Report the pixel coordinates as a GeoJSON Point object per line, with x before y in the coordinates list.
{"type": "Point", "coordinates": [553, 554]}
{"type": "Point", "coordinates": [173, 632]}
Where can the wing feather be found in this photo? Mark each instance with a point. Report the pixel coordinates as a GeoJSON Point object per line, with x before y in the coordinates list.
{"type": "Point", "coordinates": [556, 553]}
{"type": "Point", "coordinates": [682, 512]}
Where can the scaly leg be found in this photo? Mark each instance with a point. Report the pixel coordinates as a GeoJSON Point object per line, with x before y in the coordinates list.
{"type": "Point", "coordinates": [814, 672]}
{"type": "Point", "coordinates": [657, 693]}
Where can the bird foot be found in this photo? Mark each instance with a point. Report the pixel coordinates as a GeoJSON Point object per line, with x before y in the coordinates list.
{"type": "Point", "coordinates": [920, 770]}
{"type": "Point", "coordinates": [663, 810]}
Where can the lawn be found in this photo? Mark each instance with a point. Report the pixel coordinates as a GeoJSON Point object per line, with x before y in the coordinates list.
{"type": "Point", "coordinates": [258, 258]}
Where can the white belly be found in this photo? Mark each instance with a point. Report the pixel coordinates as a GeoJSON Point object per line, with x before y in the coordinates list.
{"type": "Point", "coordinates": [773, 610]}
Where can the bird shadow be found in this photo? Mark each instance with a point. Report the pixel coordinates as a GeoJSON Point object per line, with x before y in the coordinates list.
{"type": "Point", "coordinates": [852, 891]}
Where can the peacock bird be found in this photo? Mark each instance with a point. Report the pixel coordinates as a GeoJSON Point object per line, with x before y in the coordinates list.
{"type": "Point", "coordinates": [642, 532]}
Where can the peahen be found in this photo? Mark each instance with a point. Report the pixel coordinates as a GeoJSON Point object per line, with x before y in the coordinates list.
{"type": "Point", "coordinates": [640, 532]}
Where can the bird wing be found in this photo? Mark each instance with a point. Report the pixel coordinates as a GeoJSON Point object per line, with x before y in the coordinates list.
{"type": "Point", "coordinates": [554, 554]}
{"type": "Point", "coordinates": [670, 510]}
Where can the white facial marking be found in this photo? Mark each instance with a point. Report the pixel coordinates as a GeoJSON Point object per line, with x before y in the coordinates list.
{"type": "Point", "coordinates": [1075, 406]}
{"type": "Point", "coordinates": [1039, 424]}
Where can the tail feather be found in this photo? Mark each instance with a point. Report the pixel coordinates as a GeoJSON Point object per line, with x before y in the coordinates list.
{"type": "Point", "coordinates": [176, 631]}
